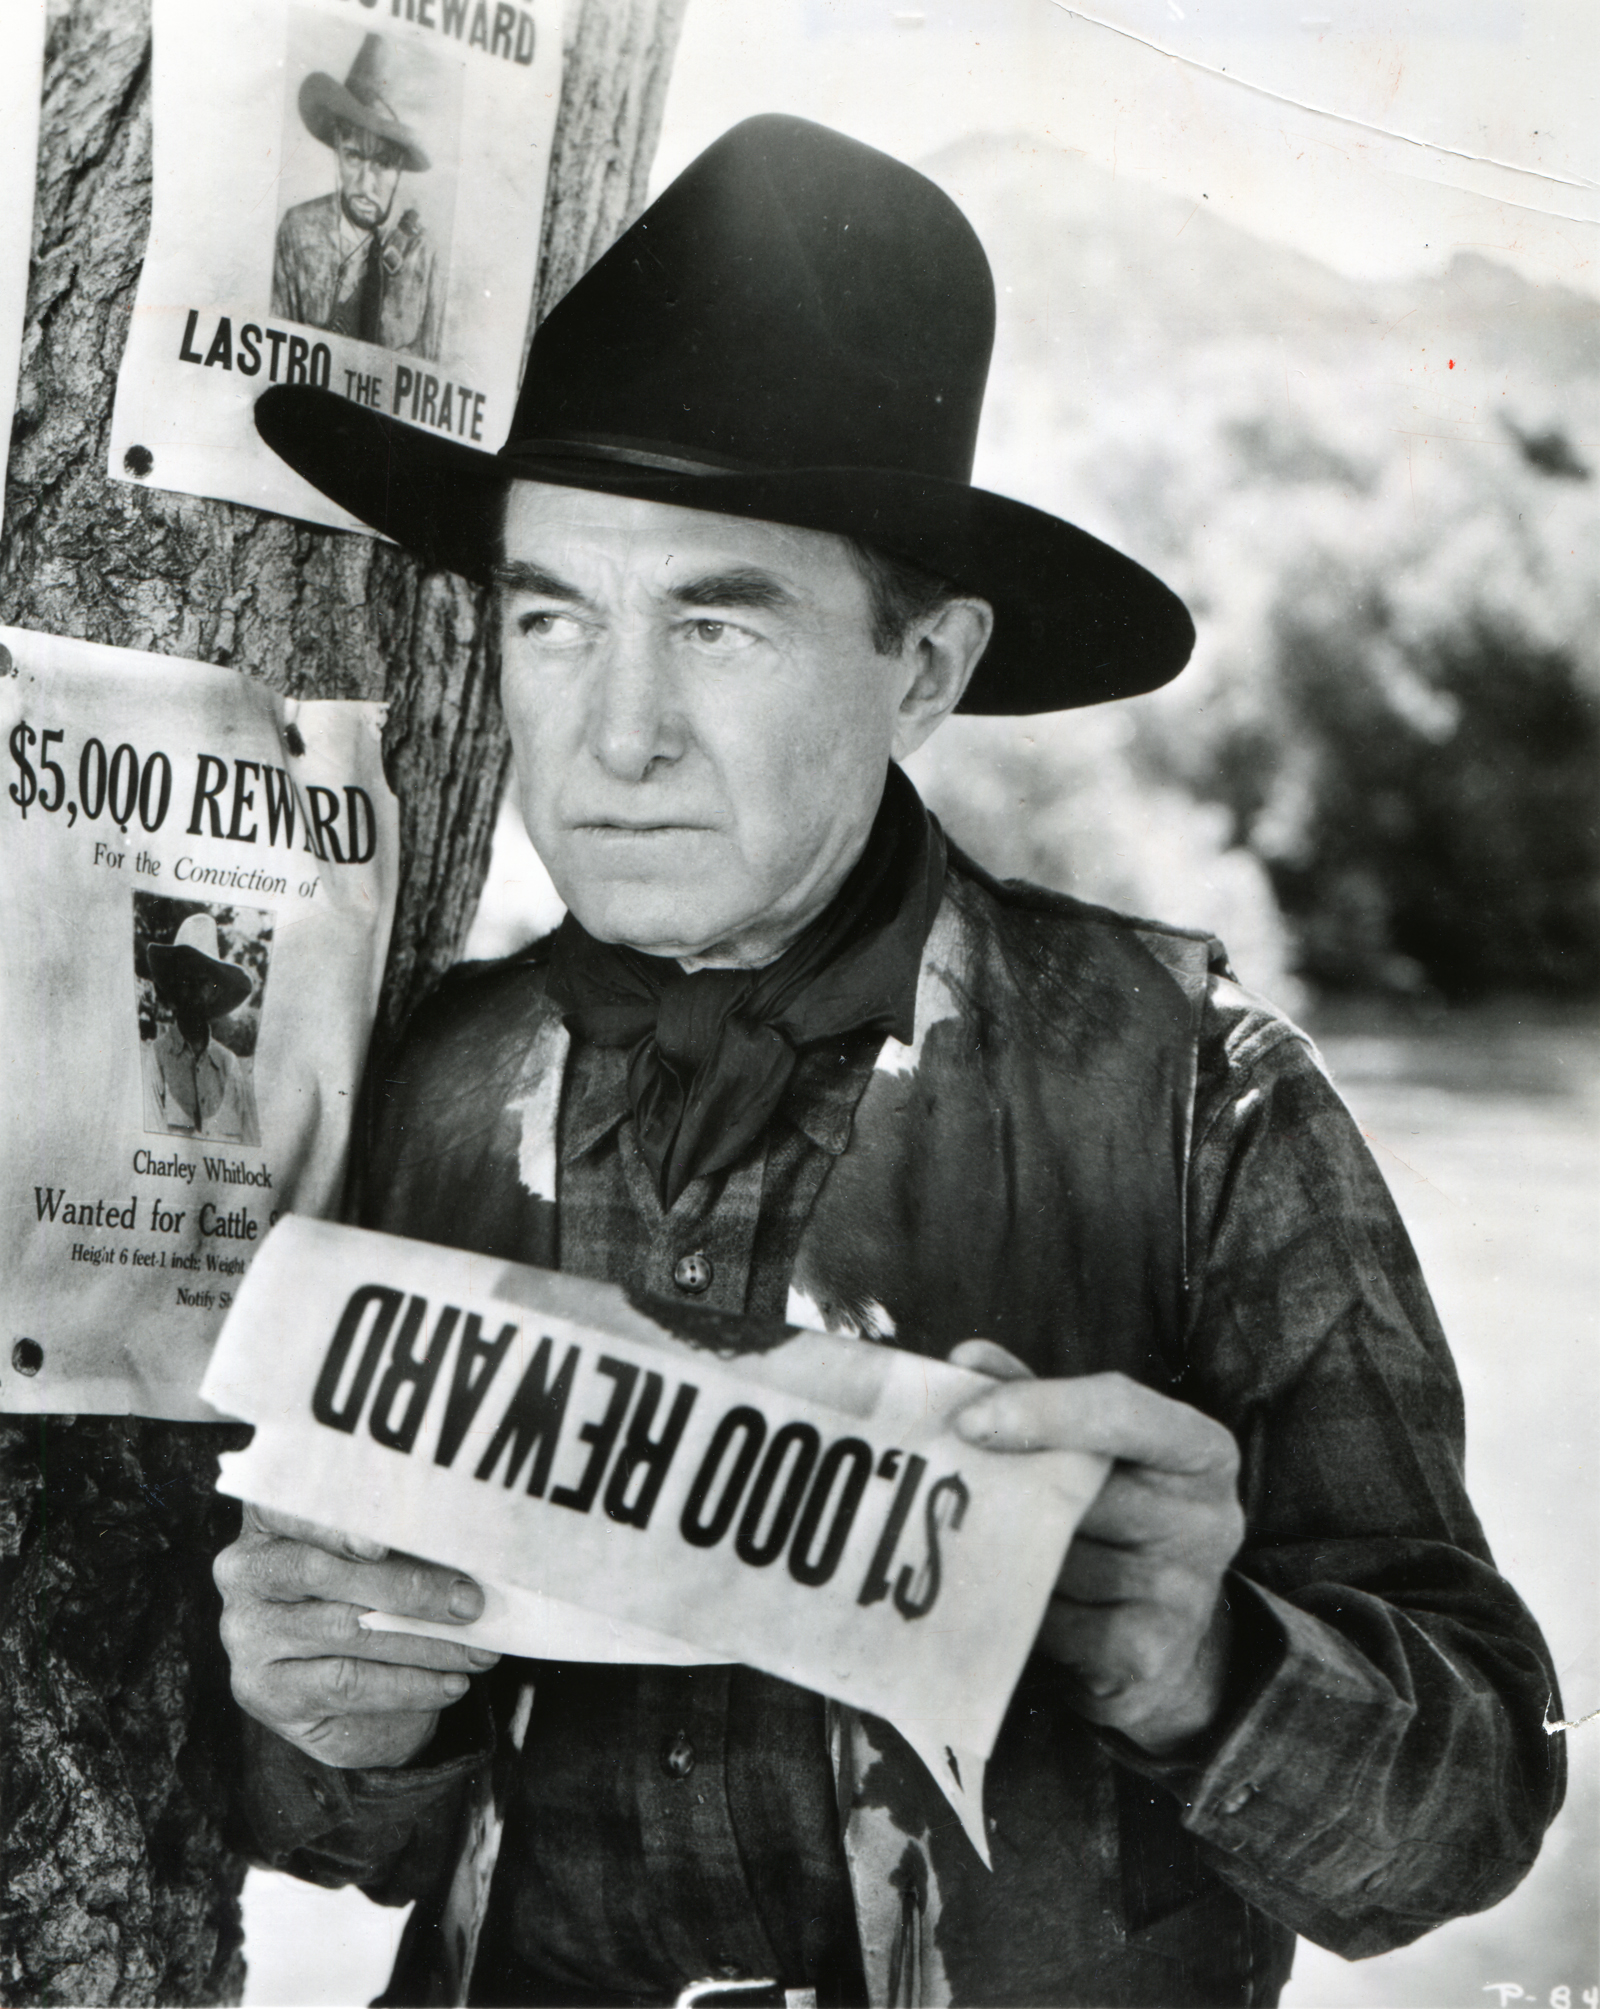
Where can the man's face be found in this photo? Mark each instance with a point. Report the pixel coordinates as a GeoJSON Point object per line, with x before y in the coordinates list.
{"type": "Point", "coordinates": [195, 996]}
{"type": "Point", "coordinates": [700, 722]}
{"type": "Point", "coordinates": [368, 176]}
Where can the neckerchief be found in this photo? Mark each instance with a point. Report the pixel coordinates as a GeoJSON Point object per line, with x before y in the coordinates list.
{"type": "Point", "coordinates": [369, 313]}
{"type": "Point", "coordinates": [713, 1050]}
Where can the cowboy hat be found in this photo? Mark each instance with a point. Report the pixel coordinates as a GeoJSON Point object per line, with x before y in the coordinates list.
{"type": "Point", "coordinates": [797, 329]}
{"type": "Point", "coordinates": [192, 962]}
{"type": "Point", "coordinates": [365, 99]}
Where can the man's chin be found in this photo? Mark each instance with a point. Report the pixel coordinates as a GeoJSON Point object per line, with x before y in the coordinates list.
{"type": "Point", "coordinates": [654, 932]}
{"type": "Point", "coordinates": [658, 919]}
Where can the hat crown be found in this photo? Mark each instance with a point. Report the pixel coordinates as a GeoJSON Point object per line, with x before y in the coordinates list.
{"type": "Point", "coordinates": [199, 932]}
{"type": "Point", "coordinates": [374, 77]}
{"type": "Point", "coordinates": [384, 92]}
{"type": "Point", "coordinates": [794, 299]}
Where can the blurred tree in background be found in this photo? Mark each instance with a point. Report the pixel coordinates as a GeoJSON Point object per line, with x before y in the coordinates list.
{"type": "Point", "coordinates": [1407, 733]}
{"type": "Point", "coordinates": [1381, 770]}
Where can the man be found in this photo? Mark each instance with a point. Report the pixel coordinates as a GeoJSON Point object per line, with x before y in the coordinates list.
{"type": "Point", "coordinates": [792, 1052]}
{"type": "Point", "coordinates": [194, 1086]}
{"type": "Point", "coordinates": [341, 263]}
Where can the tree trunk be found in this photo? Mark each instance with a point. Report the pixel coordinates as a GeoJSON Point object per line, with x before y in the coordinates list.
{"type": "Point", "coordinates": [117, 1884]}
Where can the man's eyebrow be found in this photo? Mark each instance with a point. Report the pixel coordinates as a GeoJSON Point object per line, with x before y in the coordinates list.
{"type": "Point", "coordinates": [739, 586]}
{"type": "Point", "coordinates": [518, 576]}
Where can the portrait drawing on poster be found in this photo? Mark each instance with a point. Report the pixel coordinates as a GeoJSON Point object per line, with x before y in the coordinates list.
{"type": "Point", "coordinates": [201, 974]}
{"type": "Point", "coordinates": [368, 256]}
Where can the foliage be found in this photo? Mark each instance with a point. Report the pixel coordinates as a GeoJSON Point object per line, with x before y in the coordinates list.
{"type": "Point", "coordinates": [1403, 722]}
{"type": "Point", "coordinates": [1059, 801]}
{"type": "Point", "coordinates": [1380, 503]}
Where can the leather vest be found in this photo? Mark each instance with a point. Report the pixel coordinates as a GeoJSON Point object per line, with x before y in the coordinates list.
{"type": "Point", "coordinates": [1016, 1173]}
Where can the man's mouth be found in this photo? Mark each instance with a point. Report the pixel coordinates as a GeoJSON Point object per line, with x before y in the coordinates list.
{"type": "Point", "coordinates": [622, 827]}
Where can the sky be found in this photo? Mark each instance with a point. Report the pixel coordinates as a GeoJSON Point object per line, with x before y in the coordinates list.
{"type": "Point", "coordinates": [1381, 136]}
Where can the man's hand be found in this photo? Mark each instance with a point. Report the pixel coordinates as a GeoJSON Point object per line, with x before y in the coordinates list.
{"type": "Point", "coordinates": [292, 1594]}
{"type": "Point", "coordinates": [1137, 1613]}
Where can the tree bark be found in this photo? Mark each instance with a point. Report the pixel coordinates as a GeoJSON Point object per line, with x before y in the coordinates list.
{"type": "Point", "coordinates": [117, 1883]}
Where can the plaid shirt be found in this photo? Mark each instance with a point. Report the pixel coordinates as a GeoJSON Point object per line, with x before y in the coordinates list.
{"type": "Point", "coordinates": [1384, 1764]}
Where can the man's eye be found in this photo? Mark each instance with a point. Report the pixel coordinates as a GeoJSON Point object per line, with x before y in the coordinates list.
{"type": "Point", "coordinates": [719, 635]}
{"type": "Point", "coordinates": [561, 629]}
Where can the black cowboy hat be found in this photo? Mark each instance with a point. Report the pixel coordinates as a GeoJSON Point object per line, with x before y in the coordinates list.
{"type": "Point", "coordinates": [798, 329]}
{"type": "Point", "coordinates": [366, 99]}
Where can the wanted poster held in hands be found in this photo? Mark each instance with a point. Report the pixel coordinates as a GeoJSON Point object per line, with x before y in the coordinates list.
{"type": "Point", "coordinates": [639, 1480]}
{"type": "Point", "coordinates": [197, 879]}
{"type": "Point", "coordinates": [350, 202]}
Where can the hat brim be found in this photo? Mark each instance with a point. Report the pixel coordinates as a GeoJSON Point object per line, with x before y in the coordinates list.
{"type": "Point", "coordinates": [323, 100]}
{"type": "Point", "coordinates": [1076, 621]}
{"type": "Point", "coordinates": [175, 964]}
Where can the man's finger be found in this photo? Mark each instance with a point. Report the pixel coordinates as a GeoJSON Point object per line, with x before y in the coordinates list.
{"type": "Point", "coordinates": [988, 1356]}
{"type": "Point", "coordinates": [1143, 1506]}
{"type": "Point", "coordinates": [1107, 1413]}
{"type": "Point", "coordinates": [315, 1629]}
{"type": "Point", "coordinates": [1096, 1573]}
{"type": "Point", "coordinates": [286, 1571]}
{"type": "Point", "coordinates": [299, 1691]}
{"type": "Point", "coordinates": [1112, 1647]}
{"type": "Point", "coordinates": [290, 1527]}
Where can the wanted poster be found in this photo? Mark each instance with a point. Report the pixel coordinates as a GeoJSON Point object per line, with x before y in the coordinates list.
{"type": "Point", "coordinates": [645, 1481]}
{"type": "Point", "coordinates": [197, 879]}
{"type": "Point", "coordinates": [347, 194]}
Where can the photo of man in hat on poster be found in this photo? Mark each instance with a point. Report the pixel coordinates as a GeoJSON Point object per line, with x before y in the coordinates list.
{"type": "Point", "coordinates": [195, 1083]}
{"type": "Point", "coordinates": [360, 261]}
{"type": "Point", "coordinates": [793, 1055]}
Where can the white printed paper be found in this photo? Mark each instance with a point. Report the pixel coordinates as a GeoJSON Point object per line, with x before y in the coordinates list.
{"type": "Point", "coordinates": [345, 195]}
{"type": "Point", "coordinates": [197, 879]}
{"type": "Point", "coordinates": [626, 1487]}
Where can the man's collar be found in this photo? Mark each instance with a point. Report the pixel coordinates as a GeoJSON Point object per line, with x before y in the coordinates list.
{"type": "Point", "coordinates": [175, 1042]}
{"type": "Point", "coordinates": [352, 236]}
{"type": "Point", "coordinates": [594, 1097]}
{"type": "Point", "coordinates": [820, 1101]}
{"type": "Point", "coordinates": [827, 1083]}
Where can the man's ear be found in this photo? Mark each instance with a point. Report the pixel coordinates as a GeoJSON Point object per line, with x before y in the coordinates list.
{"type": "Point", "coordinates": [941, 653]}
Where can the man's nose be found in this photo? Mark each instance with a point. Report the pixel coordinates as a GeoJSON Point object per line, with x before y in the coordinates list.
{"type": "Point", "coordinates": [635, 719]}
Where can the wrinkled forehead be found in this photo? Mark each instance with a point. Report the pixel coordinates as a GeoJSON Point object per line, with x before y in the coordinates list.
{"type": "Point", "coordinates": [358, 144]}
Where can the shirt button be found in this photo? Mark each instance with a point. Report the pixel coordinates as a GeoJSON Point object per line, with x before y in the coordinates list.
{"type": "Point", "coordinates": [693, 1273]}
{"type": "Point", "coordinates": [677, 1760]}
{"type": "Point", "coordinates": [1236, 1801]}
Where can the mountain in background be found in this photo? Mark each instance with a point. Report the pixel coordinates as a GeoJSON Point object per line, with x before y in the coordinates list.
{"type": "Point", "coordinates": [1120, 303]}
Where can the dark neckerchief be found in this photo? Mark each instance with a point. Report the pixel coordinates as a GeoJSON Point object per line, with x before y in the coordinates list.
{"type": "Point", "coordinates": [712, 1051]}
